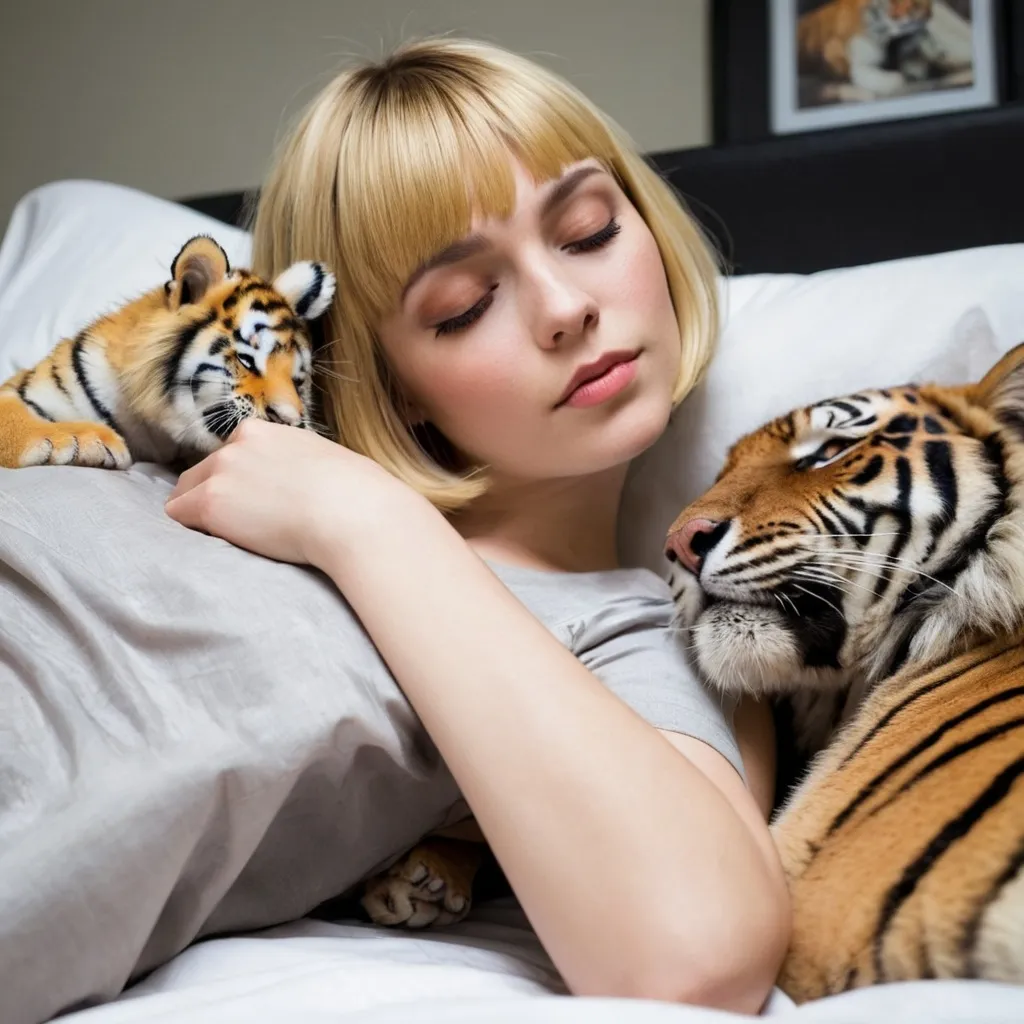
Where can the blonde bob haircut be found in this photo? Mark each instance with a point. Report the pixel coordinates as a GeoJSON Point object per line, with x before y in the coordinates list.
{"type": "Point", "coordinates": [388, 165]}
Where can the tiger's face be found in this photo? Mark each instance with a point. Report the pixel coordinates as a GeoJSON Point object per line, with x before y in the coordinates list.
{"type": "Point", "coordinates": [895, 18]}
{"type": "Point", "coordinates": [849, 536]}
{"type": "Point", "coordinates": [235, 346]}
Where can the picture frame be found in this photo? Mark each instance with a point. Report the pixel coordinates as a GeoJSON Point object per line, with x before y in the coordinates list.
{"type": "Point", "coordinates": [756, 82]}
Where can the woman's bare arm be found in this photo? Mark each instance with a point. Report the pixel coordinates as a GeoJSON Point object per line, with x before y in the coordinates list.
{"type": "Point", "coordinates": [640, 858]}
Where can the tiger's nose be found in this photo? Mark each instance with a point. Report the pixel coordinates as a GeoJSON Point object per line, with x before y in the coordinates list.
{"type": "Point", "coordinates": [693, 540]}
{"type": "Point", "coordinates": [279, 412]}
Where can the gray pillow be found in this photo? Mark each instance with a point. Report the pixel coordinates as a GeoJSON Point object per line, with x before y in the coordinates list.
{"type": "Point", "coordinates": [193, 739]}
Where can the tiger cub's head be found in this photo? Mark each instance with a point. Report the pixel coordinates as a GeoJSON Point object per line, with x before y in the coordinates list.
{"type": "Point", "coordinates": [890, 19]}
{"type": "Point", "coordinates": [228, 345]}
{"type": "Point", "coordinates": [847, 538]}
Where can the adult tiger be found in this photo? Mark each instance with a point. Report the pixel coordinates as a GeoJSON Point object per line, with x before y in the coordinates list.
{"type": "Point", "coordinates": [864, 558]}
{"type": "Point", "coordinates": [168, 376]}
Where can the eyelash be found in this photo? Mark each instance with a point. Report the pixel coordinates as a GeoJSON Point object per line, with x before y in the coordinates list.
{"type": "Point", "coordinates": [590, 244]}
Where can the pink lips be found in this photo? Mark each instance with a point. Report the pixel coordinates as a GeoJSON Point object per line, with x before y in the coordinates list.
{"type": "Point", "coordinates": [601, 380]}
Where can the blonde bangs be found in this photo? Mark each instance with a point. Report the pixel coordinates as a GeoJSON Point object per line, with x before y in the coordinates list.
{"type": "Point", "coordinates": [418, 163]}
{"type": "Point", "coordinates": [389, 166]}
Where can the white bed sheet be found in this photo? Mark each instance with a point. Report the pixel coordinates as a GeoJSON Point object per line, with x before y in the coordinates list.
{"type": "Point", "coordinates": [490, 969]}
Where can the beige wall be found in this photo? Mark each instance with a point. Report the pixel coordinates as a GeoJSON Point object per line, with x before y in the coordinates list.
{"type": "Point", "coordinates": [188, 96]}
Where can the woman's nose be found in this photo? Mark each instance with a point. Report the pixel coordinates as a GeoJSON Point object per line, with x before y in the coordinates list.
{"type": "Point", "coordinates": [567, 310]}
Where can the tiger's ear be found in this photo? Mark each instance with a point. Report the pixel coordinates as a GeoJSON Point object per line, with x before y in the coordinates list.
{"type": "Point", "coordinates": [1001, 390]}
{"type": "Point", "coordinates": [200, 264]}
{"type": "Point", "coordinates": [308, 288]}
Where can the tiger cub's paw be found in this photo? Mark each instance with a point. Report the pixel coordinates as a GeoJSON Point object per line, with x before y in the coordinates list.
{"type": "Point", "coordinates": [76, 444]}
{"type": "Point", "coordinates": [432, 885]}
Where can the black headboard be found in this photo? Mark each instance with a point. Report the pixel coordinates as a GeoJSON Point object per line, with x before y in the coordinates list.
{"type": "Point", "coordinates": [842, 197]}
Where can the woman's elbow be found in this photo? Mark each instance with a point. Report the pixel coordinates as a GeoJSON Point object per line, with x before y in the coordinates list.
{"type": "Point", "coordinates": [733, 970]}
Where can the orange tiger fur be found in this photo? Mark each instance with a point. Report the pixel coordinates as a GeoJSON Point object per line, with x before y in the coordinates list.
{"type": "Point", "coordinates": [168, 375]}
{"type": "Point", "coordinates": [864, 559]}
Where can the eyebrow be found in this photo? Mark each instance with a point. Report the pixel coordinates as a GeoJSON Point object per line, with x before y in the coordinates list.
{"type": "Point", "coordinates": [473, 244]}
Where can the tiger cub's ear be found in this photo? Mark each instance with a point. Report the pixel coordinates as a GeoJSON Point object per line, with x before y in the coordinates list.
{"type": "Point", "coordinates": [200, 264]}
{"type": "Point", "coordinates": [308, 287]}
{"type": "Point", "coordinates": [1001, 390]}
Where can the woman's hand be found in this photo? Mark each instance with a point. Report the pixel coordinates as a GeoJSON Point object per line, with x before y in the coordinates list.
{"type": "Point", "coordinates": [281, 492]}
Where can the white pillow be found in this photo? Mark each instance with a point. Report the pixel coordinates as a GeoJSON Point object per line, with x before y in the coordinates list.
{"type": "Point", "coordinates": [77, 248]}
{"type": "Point", "coordinates": [792, 339]}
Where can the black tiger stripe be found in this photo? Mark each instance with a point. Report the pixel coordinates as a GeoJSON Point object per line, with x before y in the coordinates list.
{"type": "Point", "coordinates": [901, 442]}
{"type": "Point", "coordinates": [969, 937]}
{"type": "Point", "coordinates": [993, 732]}
{"type": "Point", "coordinates": [312, 293]}
{"type": "Point", "coordinates": [269, 305]}
{"type": "Point", "coordinates": [847, 407]}
{"type": "Point", "coordinates": [78, 363]}
{"type": "Point", "coordinates": [933, 426]}
{"type": "Point", "coordinates": [828, 525]}
{"type": "Point", "coordinates": [59, 381]}
{"type": "Point", "coordinates": [872, 787]}
{"type": "Point", "coordinates": [902, 424]}
{"type": "Point", "coordinates": [37, 409]}
{"type": "Point", "coordinates": [754, 542]}
{"type": "Point", "coordinates": [952, 832]}
{"type": "Point", "coordinates": [952, 671]}
{"type": "Point", "coordinates": [951, 414]}
{"type": "Point", "coordinates": [772, 574]}
{"type": "Point", "coordinates": [182, 341]}
{"type": "Point", "coordinates": [976, 540]}
{"type": "Point", "coordinates": [194, 383]}
{"type": "Point", "coordinates": [848, 525]}
{"type": "Point", "coordinates": [900, 509]}
{"type": "Point", "coordinates": [939, 463]}
{"type": "Point", "coordinates": [759, 560]}
{"type": "Point", "coordinates": [1013, 420]}
{"type": "Point", "coordinates": [869, 472]}
{"type": "Point", "coordinates": [255, 285]}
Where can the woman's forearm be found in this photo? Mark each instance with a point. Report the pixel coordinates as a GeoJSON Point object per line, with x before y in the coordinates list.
{"type": "Point", "coordinates": [638, 875]}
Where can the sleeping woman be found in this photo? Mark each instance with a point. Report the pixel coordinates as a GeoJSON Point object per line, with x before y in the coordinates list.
{"type": "Point", "coordinates": [521, 302]}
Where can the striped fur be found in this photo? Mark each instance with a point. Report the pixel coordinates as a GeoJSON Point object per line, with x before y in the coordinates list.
{"type": "Point", "coordinates": [869, 570]}
{"type": "Point", "coordinates": [168, 376]}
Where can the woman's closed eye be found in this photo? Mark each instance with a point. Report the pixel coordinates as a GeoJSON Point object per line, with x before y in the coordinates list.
{"type": "Point", "coordinates": [598, 240]}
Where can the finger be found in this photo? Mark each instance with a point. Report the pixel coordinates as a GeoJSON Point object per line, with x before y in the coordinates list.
{"type": "Point", "coordinates": [192, 477]}
{"type": "Point", "coordinates": [189, 508]}
{"type": "Point", "coordinates": [250, 427]}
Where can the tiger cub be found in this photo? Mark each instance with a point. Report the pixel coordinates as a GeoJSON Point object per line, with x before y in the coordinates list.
{"type": "Point", "coordinates": [865, 557]}
{"type": "Point", "coordinates": [167, 377]}
{"type": "Point", "coordinates": [878, 45]}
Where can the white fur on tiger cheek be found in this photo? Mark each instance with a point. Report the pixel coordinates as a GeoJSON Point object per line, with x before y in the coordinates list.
{"type": "Point", "coordinates": [686, 594]}
{"type": "Point", "coordinates": [745, 649]}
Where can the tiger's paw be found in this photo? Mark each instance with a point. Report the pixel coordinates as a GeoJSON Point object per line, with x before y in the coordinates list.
{"type": "Point", "coordinates": [430, 886]}
{"type": "Point", "coordinates": [76, 444]}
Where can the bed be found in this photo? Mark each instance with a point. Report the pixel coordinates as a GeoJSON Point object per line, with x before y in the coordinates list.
{"type": "Point", "coordinates": [889, 249]}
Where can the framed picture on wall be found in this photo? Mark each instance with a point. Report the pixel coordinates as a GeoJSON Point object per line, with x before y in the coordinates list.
{"type": "Point", "coordinates": [840, 62]}
{"type": "Point", "coordinates": [785, 66]}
